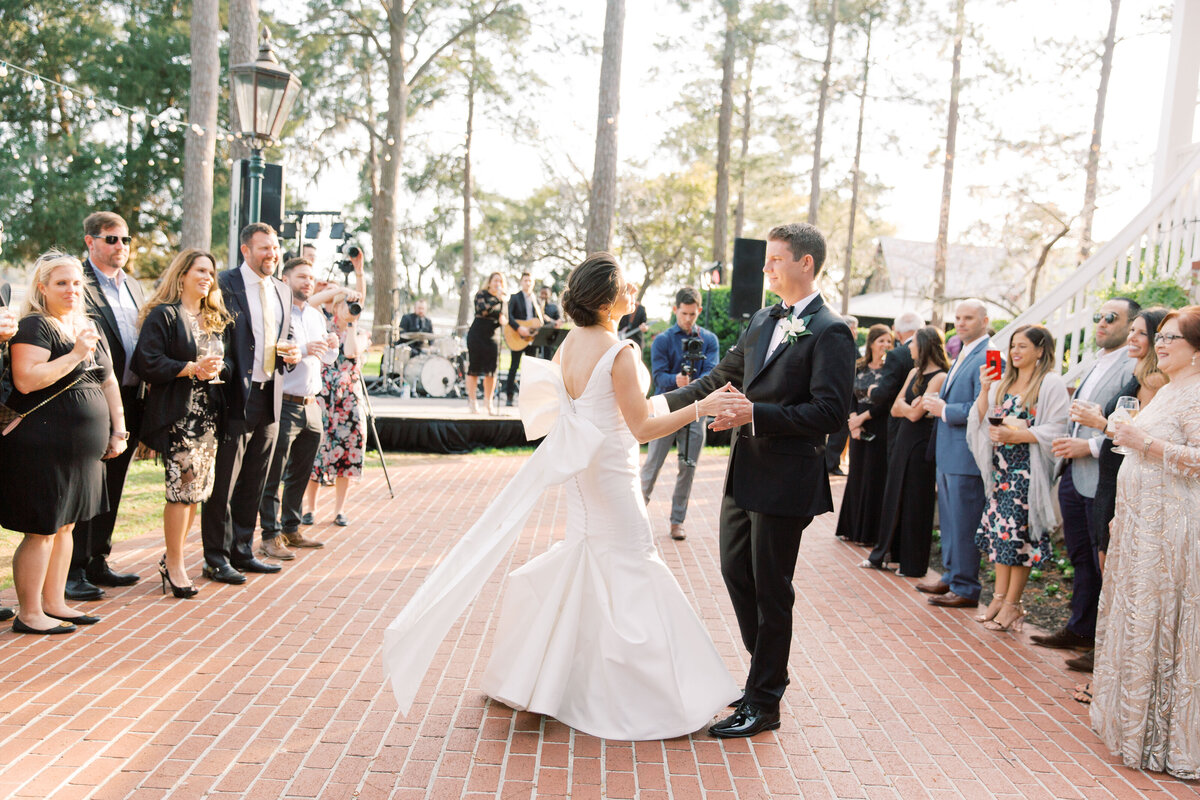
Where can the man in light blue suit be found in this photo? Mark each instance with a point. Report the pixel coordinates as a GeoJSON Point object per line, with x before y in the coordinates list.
{"type": "Point", "coordinates": [959, 487]}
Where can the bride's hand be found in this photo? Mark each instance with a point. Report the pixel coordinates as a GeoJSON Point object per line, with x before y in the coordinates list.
{"type": "Point", "coordinates": [720, 400]}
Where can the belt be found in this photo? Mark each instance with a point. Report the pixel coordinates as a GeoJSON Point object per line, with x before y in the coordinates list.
{"type": "Point", "coordinates": [299, 400]}
{"type": "Point", "coordinates": [265, 386]}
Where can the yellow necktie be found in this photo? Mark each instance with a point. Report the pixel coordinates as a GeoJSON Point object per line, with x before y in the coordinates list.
{"type": "Point", "coordinates": [270, 334]}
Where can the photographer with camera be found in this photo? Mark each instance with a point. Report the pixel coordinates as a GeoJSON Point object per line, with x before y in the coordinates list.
{"type": "Point", "coordinates": [328, 293]}
{"type": "Point", "coordinates": [683, 353]}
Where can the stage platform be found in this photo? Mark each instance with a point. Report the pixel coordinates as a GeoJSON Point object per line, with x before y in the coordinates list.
{"type": "Point", "coordinates": [442, 425]}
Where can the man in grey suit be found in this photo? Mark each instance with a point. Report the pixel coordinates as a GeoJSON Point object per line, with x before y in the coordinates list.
{"type": "Point", "coordinates": [960, 492]}
{"type": "Point", "coordinates": [1080, 450]}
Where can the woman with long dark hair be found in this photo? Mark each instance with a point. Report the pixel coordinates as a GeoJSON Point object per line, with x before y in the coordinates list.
{"type": "Point", "coordinates": [862, 500]}
{"type": "Point", "coordinates": [1027, 409]}
{"type": "Point", "coordinates": [909, 495]}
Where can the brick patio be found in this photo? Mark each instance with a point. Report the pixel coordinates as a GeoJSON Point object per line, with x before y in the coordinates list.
{"type": "Point", "coordinates": [274, 689]}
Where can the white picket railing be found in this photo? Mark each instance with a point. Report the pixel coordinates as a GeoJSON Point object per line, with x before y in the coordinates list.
{"type": "Point", "coordinates": [1161, 242]}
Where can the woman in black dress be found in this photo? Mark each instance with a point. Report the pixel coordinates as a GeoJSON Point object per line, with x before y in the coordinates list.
{"type": "Point", "coordinates": [482, 350]}
{"type": "Point", "coordinates": [906, 527]}
{"type": "Point", "coordinates": [51, 475]}
{"type": "Point", "coordinates": [858, 521]}
{"type": "Point", "coordinates": [179, 350]}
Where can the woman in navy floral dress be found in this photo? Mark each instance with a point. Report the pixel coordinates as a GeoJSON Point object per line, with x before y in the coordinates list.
{"type": "Point", "coordinates": [1016, 461]}
{"type": "Point", "coordinates": [341, 455]}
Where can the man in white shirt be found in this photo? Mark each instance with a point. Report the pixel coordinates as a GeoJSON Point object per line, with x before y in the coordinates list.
{"type": "Point", "coordinates": [1080, 451]}
{"type": "Point", "coordinates": [300, 420]}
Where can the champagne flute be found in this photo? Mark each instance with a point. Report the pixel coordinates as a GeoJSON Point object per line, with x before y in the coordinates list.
{"type": "Point", "coordinates": [1125, 412]}
{"type": "Point", "coordinates": [91, 359]}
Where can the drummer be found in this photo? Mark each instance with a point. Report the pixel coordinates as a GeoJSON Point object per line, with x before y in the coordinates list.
{"type": "Point", "coordinates": [416, 321]}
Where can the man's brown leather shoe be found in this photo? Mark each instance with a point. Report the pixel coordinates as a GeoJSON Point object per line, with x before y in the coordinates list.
{"type": "Point", "coordinates": [297, 539]}
{"type": "Point", "coordinates": [677, 531]}
{"type": "Point", "coordinates": [1063, 639]}
{"type": "Point", "coordinates": [933, 587]}
{"type": "Point", "coordinates": [952, 600]}
{"type": "Point", "coordinates": [1083, 663]}
{"type": "Point", "coordinates": [273, 548]}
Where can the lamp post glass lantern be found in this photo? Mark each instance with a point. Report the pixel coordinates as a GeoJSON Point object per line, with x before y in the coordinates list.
{"type": "Point", "coordinates": [263, 92]}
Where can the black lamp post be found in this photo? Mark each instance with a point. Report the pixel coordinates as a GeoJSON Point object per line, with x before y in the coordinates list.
{"type": "Point", "coordinates": [264, 93]}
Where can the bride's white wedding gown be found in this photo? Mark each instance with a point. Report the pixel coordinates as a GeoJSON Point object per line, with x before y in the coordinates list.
{"type": "Point", "coordinates": [596, 631]}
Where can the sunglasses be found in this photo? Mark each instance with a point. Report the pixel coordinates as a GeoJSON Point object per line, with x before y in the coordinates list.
{"type": "Point", "coordinates": [1160, 338]}
{"type": "Point", "coordinates": [110, 239]}
{"type": "Point", "coordinates": [1110, 317]}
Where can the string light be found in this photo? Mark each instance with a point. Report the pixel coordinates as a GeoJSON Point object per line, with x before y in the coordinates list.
{"type": "Point", "coordinates": [3, 70]}
{"type": "Point", "coordinates": [38, 85]}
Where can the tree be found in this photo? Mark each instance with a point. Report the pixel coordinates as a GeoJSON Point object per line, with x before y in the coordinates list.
{"type": "Point", "coordinates": [200, 147]}
{"type": "Point", "coordinates": [243, 48]}
{"type": "Point", "coordinates": [1093, 156]}
{"type": "Point", "coordinates": [814, 196]}
{"type": "Point", "coordinates": [664, 221]}
{"type": "Point", "coordinates": [724, 132]}
{"type": "Point", "coordinates": [603, 200]}
{"type": "Point", "coordinates": [940, 247]}
{"type": "Point", "coordinates": [862, 108]}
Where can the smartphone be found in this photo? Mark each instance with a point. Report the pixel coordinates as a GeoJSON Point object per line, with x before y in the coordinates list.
{"type": "Point", "coordinates": [993, 364]}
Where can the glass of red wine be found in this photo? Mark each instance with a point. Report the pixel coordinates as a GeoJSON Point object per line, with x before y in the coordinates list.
{"type": "Point", "coordinates": [996, 415]}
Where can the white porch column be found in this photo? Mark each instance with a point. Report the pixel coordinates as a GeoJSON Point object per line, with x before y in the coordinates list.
{"type": "Point", "coordinates": [1175, 134]}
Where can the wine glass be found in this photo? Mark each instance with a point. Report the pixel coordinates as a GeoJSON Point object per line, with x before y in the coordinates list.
{"type": "Point", "coordinates": [1125, 412]}
{"type": "Point", "coordinates": [996, 415]}
{"type": "Point", "coordinates": [214, 347]}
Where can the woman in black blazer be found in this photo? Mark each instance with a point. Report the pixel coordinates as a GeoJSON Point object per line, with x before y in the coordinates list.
{"type": "Point", "coordinates": [179, 352]}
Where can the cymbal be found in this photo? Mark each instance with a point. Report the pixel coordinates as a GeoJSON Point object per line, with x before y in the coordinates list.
{"type": "Point", "coordinates": [417, 336]}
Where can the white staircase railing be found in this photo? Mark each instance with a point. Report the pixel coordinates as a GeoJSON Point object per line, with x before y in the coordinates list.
{"type": "Point", "coordinates": [1161, 242]}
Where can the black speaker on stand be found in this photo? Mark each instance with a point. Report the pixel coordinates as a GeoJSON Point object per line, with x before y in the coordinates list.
{"type": "Point", "coordinates": [746, 278]}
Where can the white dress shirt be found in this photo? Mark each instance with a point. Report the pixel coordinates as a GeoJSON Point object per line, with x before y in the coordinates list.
{"type": "Point", "coordinates": [777, 334]}
{"type": "Point", "coordinates": [252, 280]}
{"type": "Point", "coordinates": [308, 325]}
{"type": "Point", "coordinates": [1104, 363]}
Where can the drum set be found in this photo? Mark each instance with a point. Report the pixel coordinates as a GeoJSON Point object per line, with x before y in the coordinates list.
{"type": "Point", "coordinates": [439, 369]}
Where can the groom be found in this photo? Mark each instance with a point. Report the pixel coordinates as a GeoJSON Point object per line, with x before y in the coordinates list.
{"type": "Point", "coordinates": [795, 366]}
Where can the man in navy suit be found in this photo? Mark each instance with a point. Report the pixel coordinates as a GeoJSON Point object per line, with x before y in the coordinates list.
{"type": "Point", "coordinates": [959, 486]}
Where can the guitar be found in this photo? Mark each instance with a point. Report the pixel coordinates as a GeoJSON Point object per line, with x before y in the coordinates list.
{"type": "Point", "coordinates": [515, 340]}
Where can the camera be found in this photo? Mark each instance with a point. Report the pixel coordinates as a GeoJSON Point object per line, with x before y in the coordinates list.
{"type": "Point", "coordinates": [355, 308]}
{"type": "Point", "coordinates": [345, 264]}
{"type": "Point", "coordinates": [693, 355]}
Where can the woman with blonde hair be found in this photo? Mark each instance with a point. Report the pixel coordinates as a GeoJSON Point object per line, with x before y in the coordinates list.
{"type": "Point", "coordinates": [70, 418]}
{"type": "Point", "coordinates": [482, 350]}
{"type": "Point", "coordinates": [179, 352]}
{"type": "Point", "coordinates": [1027, 409]}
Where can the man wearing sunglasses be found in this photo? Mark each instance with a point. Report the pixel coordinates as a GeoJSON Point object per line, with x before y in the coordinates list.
{"type": "Point", "coordinates": [1080, 449]}
{"type": "Point", "coordinates": [114, 300]}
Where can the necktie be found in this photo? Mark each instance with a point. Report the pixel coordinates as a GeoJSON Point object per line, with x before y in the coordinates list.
{"type": "Point", "coordinates": [270, 334]}
{"type": "Point", "coordinates": [780, 311]}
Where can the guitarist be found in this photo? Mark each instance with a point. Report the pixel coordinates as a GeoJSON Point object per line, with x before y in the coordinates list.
{"type": "Point", "coordinates": [524, 317]}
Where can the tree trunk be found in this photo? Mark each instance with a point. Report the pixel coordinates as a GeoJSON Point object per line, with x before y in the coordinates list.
{"type": "Point", "coordinates": [1093, 156]}
{"type": "Point", "coordinates": [465, 292]}
{"type": "Point", "coordinates": [385, 206]}
{"type": "Point", "coordinates": [862, 108]}
{"type": "Point", "coordinates": [200, 149]}
{"type": "Point", "coordinates": [724, 134]}
{"type": "Point", "coordinates": [243, 48]}
{"type": "Point", "coordinates": [939, 251]}
{"type": "Point", "coordinates": [602, 204]}
{"type": "Point", "coordinates": [739, 213]}
{"type": "Point", "coordinates": [814, 194]}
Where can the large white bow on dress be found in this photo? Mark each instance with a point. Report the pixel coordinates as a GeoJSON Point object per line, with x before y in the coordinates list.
{"type": "Point", "coordinates": [571, 442]}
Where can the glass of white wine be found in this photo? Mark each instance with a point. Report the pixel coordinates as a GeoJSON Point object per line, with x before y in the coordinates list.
{"type": "Point", "coordinates": [215, 347]}
{"type": "Point", "coordinates": [1125, 412]}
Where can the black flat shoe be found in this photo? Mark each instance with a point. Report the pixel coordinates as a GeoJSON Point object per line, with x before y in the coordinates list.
{"type": "Point", "coordinates": [21, 627]}
{"type": "Point", "coordinates": [748, 720]}
{"type": "Point", "coordinates": [223, 574]}
{"type": "Point", "coordinates": [6, 613]}
{"type": "Point", "coordinates": [79, 589]}
{"type": "Point", "coordinates": [82, 619]}
{"type": "Point", "coordinates": [254, 565]}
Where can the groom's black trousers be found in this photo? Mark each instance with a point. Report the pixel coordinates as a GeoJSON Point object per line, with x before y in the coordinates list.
{"type": "Point", "coordinates": [758, 558]}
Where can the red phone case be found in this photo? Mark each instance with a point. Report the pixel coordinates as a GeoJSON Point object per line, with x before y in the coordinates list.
{"type": "Point", "coordinates": [993, 363]}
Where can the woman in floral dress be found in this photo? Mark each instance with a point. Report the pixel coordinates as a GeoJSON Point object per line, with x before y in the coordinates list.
{"type": "Point", "coordinates": [341, 455]}
{"type": "Point", "coordinates": [1017, 466]}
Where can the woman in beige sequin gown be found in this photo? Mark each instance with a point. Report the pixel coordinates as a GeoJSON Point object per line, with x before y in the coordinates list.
{"type": "Point", "coordinates": [1146, 686]}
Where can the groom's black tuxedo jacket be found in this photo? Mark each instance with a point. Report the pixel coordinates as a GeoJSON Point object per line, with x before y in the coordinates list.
{"type": "Point", "coordinates": [801, 394]}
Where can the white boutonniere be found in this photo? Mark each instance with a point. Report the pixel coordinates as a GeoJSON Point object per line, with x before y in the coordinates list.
{"type": "Point", "coordinates": [793, 329]}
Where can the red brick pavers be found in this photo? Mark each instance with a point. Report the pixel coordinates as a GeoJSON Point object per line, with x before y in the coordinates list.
{"type": "Point", "coordinates": [275, 689]}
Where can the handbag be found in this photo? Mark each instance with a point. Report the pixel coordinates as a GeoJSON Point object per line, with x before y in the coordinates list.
{"type": "Point", "coordinates": [9, 418]}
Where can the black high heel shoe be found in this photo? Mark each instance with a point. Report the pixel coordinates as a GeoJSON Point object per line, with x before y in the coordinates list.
{"type": "Point", "coordinates": [182, 592]}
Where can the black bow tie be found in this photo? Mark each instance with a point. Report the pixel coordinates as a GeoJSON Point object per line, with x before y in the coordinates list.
{"type": "Point", "coordinates": [780, 311]}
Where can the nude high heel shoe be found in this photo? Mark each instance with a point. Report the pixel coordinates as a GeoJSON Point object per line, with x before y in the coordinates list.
{"type": "Point", "coordinates": [992, 610]}
{"type": "Point", "coordinates": [1014, 625]}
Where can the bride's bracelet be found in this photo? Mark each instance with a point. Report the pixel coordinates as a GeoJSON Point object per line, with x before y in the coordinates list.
{"type": "Point", "coordinates": [697, 405]}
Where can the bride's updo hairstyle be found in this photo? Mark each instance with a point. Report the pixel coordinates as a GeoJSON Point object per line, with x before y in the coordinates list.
{"type": "Point", "coordinates": [593, 284]}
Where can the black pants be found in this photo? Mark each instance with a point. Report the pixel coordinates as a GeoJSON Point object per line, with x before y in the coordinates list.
{"type": "Point", "coordinates": [296, 446]}
{"type": "Point", "coordinates": [1081, 549]}
{"type": "Point", "coordinates": [510, 384]}
{"type": "Point", "coordinates": [758, 558]}
{"type": "Point", "coordinates": [243, 457]}
{"type": "Point", "coordinates": [93, 539]}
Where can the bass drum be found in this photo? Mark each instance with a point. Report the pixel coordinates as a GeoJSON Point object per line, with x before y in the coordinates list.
{"type": "Point", "coordinates": [430, 375]}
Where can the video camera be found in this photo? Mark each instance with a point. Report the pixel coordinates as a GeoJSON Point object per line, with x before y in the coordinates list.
{"type": "Point", "coordinates": [693, 355]}
{"type": "Point", "coordinates": [351, 251]}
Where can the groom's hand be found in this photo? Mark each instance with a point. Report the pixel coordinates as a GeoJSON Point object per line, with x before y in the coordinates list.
{"type": "Point", "coordinates": [737, 411]}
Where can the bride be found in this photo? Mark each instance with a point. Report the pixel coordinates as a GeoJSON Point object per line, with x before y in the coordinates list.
{"type": "Point", "coordinates": [596, 631]}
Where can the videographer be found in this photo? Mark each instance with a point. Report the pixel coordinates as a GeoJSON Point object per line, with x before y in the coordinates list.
{"type": "Point", "coordinates": [328, 293]}
{"type": "Point", "coordinates": [679, 355]}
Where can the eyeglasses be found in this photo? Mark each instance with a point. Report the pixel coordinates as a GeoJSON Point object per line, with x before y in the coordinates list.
{"type": "Point", "coordinates": [110, 239]}
{"type": "Point", "coordinates": [1160, 338]}
{"type": "Point", "coordinates": [1110, 317]}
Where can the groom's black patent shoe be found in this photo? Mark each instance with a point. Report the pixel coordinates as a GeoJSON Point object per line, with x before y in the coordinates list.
{"type": "Point", "coordinates": [223, 573]}
{"type": "Point", "coordinates": [747, 721]}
